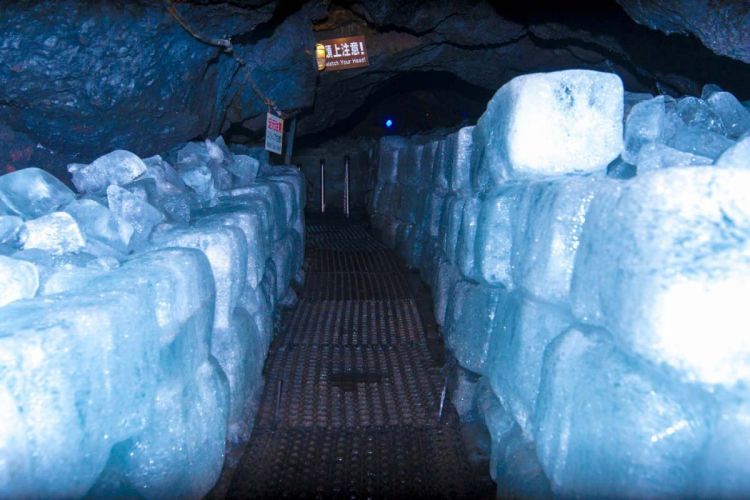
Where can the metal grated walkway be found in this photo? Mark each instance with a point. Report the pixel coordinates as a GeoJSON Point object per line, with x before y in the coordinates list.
{"type": "Point", "coordinates": [353, 387]}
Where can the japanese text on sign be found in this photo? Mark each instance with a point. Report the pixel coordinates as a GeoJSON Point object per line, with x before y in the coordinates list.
{"type": "Point", "coordinates": [274, 133]}
{"type": "Point", "coordinates": [345, 53]}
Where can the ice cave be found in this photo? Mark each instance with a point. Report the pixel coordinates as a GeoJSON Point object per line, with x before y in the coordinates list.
{"type": "Point", "coordinates": [374, 249]}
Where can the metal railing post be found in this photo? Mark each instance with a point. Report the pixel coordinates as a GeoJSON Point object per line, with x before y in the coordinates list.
{"type": "Point", "coordinates": [346, 186]}
{"type": "Point", "coordinates": [322, 186]}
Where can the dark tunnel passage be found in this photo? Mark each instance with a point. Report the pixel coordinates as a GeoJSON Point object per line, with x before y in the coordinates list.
{"type": "Point", "coordinates": [262, 248]}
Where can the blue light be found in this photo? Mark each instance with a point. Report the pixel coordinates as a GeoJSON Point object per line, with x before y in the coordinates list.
{"type": "Point", "coordinates": [388, 123]}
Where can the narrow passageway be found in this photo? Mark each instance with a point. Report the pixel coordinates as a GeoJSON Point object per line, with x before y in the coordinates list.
{"type": "Point", "coordinates": [351, 405]}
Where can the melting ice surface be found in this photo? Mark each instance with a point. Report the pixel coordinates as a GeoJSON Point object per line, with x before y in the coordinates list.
{"type": "Point", "coordinates": [590, 280]}
{"type": "Point", "coordinates": [135, 318]}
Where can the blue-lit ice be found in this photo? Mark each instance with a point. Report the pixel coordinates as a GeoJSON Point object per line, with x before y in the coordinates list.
{"type": "Point", "coordinates": [522, 331]}
{"type": "Point", "coordinates": [19, 279]}
{"type": "Point", "coordinates": [700, 142]}
{"type": "Point", "coordinates": [647, 123]}
{"type": "Point", "coordinates": [390, 150]}
{"type": "Point", "coordinates": [654, 156]}
{"type": "Point", "coordinates": [696, 113]}
{"type": "Point", "coordinates": [471, 314]}
{"type": "Point", "coordinates": [135, 320]}
{"type": "Point", "coordinates": [9, 226]}
{"type": "Point", "coordinates": [135, 211]}
{"type": "Point", "coordinates": [450, 225]}
{"type": "Point", "coordinates": [201, 181]}
{"type": "Point", "coordinates": [738, 156]}
{"type": "Point", "coordinates": [664, 133]}
{"type": "Point", "coordinates": [495, 226]}
{"type": "Point", "coordinates": [81, 381]}
{"type": "Point", "coordinates": [99, 223]}
{"type": "Point", "coordinates": [610, 425]}
{"type": "Point", "coordinates": [681, 235]}
{"type": "Point", "coordinates": [595, 303]}
{"type": "Point", "coordinates": [734, 116]}
{"type": "Point", "coordinates": [57, 232]}
{"type": "Point", "coordinates": [244, 169]}
{"type": "Point", "coordinates": [551, 123]}
{"type": "Point", "coordinates": [467, 235]}
{"type": "Point", "coordinates": [170, 194]}
{"type": "Point", "coordinates": [32, 192]}
{"type": "Point", "coordinates": [225, 248]}
{"type": "Point", "coordinates": [458, 150]}
{"type": "Point", "coordinates": [250, 222]}
{"type": "Point", "coordinates": [548, 234]}
{"type": "Point", "coordinates": [118, 167]}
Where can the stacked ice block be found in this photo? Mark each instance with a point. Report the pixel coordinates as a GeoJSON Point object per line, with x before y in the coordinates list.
{"type": "Point", "coordinates": [135, 318]}
{"type": "Point", "coordinates": [591, 269]}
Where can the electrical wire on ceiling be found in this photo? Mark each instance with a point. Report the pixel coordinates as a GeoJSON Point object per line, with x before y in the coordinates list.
{"type": "Point", "coordinates": [225, 44]}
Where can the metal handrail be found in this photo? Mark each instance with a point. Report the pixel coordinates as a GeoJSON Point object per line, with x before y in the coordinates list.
{"type": "Point", "coordinates": [322, 186]}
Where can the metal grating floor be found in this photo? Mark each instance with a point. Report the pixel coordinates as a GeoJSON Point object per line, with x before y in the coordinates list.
{"type": "Point", "coordinates": [352, 323]}
{"type": "Point", "coordinates": [353, 387]}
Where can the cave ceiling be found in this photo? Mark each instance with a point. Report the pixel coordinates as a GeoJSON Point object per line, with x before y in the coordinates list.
{"type": "Point", "coordinates": [79, 78]}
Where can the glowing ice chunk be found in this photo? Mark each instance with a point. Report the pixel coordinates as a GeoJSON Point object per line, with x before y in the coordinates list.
{"type": "Point", "coordinates": [201, 181]}
{"type": "Point", "coordinates": [459, 151]}
{"type": "Point", "coordinates": [180, 454]}
{"type": "Point", "coordinates": [648, 122]}
{"type": "Point", "coordinates": [465, 249]}
{"type": "Point", "coordinates": [665, 262]}
{"type": "Point", "coordinates": [251, 223]}
{"type": "Point", "coordinates": [82, 369]}
{"type": "Point", "coordinates": [447, 277]}
{"type": "Point", "coordinates": [450, 226]}
{"type": "Point", "coordinates": [547, 240]}
{"type": "Point", "coordinates": [98, 223]}
{"type": "Point", "coordinates": [240, 350]}
{"type": "Point", "coordinates": [734, 115]}
{"type": "Point", "coordinates": [738, 156]}
{"type": "Point", "coordinates": [608, 424]}
{"type": "Point", "coordinates": [244, 169]}
{"type": "Point", "coordinates": [696, 113]}
{"type": "Point", "coordinates": [523, 330]}
{"type": "Point", "coordinates": [118, 167]}
{"type": "Point", "coordinates": [390, 149]}
{"type": "Point", "coordinates": [550, 123]}
{"type": "Point", "coordinates": [725, 464]}
{"type": "Point", "coordinates": [410, 164]}
{"type": "Point", "coordinates": [9, 227]}
{"type": "Point", "coordinates": [654, 156]}
{"type": "Point", "coordinates": [32, 192]}
{"type": "Point", "coordinates": [495, 227]}
{"type": "Point", "coordinates": [700, 142]}
{"type": "Point", "coordinates": [440, 170]}
{"type": "Point", "coordinates": [225, 248]}
{"type": "Point", "coordinates": [19, 279]}
{"type": "Point", "coordinates": [469, 321]}
{"type": "Point", "coordinates": [57, 232]}
{"type": "Point", "coordinates": [134, 210]}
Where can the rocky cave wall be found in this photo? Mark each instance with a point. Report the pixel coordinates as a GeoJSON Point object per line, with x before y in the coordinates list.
{"type": "Point", "coordinates": [79, 78]}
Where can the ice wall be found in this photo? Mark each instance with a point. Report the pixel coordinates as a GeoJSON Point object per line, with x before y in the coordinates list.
{"type": "Point", "coordinates": [588, 255]}
{"type": "Point", "coordinates": [135, 317]}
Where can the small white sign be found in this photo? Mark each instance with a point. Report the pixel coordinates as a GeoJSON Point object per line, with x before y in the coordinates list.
{"type": "Point", "coordinates": [274, 133]}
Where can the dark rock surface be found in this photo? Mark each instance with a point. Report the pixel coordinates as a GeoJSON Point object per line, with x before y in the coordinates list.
{"type": "Point", "coordinates": [487, 44]}
{"type": "Point", "coordinates": [80, 78]}
{"type": "Point", "coordinates": [722, 25]}
{"type": "Point", "coordinates": [83, 78]}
